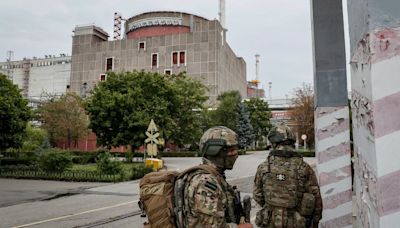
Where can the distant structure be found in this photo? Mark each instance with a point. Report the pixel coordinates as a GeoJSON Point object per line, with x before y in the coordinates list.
{"type": "Point", "coordinates": [117, 26]}
{"type": "Point", "coordinates": [10, 56]}
{"type": "Point", "coordinates": [252, 86]}
{"type": "Point", "coordinates": [37, 76]}
{"type": "Point", "coordinates": [270, 90]}
{"type": "Point", "coordinates": [222, 13]}
{"type": "Point", "coordinates": [164, 42]}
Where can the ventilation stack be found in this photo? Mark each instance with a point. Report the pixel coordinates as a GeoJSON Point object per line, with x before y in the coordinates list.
{"type": "Point", "coordinates": [10, 56]}
{"type": "Point", "coordinates": [257, 69]}
{"type": "Point", "coordinates": [270, 90]}
{"type": "Point", "coordinates": [222, 13]}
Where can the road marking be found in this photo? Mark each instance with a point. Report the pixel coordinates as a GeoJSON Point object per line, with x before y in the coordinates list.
{"type": "Point", "coordinates": [75, 214]}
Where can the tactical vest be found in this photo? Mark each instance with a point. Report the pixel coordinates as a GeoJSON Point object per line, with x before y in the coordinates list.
{"type": "Point", "coordinates": [284, 189]}
{"type": "Point", "coordinates": [283, 184]}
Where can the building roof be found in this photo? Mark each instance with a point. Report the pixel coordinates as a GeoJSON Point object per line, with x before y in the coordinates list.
{"type": "Point", "coordinates": [167, 11]}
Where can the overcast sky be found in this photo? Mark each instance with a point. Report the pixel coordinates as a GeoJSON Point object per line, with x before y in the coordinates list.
{"type": "Point", "coordinates": [278, 30]}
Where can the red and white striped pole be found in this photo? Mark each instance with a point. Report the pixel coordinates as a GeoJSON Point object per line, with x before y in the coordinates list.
{"type": "Point", "coordinates": [333, 165]}
{"type": "Point", "coordinates": [332, 141]}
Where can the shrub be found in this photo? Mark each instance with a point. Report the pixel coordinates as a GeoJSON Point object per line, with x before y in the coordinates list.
{"type": "Point", "coordinates": [55, 161]}
{"type": "Point", "coordinates": [139, 171]}
{"type": "Point", "coordinates": [128, 157]}
{"type": "Point", "coordinates": [179, 154]}
{"type": "Point", "coordinates": [194, 147]}
{"type": "Point", "coordinates": [106, 165]}
{"type": "Point", "coordinates": [27, 161]}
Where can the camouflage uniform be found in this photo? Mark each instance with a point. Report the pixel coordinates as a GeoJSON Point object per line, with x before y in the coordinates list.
{"type": "Point", "coordinates": [294, 178]}
{"type": "Point", "coordinates": [208, 198]}
{"type": "Point", "coordinates": [207, 202]}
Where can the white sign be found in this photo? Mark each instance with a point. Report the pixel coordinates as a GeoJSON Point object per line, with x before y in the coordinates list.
{"type": "Point", "coordinates": [303, 137]}
{"type": "Point", "coordinates": [155, 21]}
{"type": "Point", "coordinates": [152, 140]}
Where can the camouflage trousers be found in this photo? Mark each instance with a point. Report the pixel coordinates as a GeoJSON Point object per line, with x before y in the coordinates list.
{"type": "Point", "coordinates": [280, 217]}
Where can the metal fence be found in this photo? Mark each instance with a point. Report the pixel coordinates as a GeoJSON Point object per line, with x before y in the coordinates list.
{"type": "Point", "coordinates": [64, 176]}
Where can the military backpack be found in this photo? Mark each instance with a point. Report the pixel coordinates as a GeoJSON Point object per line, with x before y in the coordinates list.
{"type": "Point", "coordinates": [161, 196]}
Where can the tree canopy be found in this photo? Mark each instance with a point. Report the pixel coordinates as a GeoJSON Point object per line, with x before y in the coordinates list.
{"type": "Point", "coordinates": [226, 112]}
{"type": "Point", "coordinates": [64, 119]}
{"type": "Point", "coordinates": [14, 114]}
{"type": "Point", "coordinates": [121, 108]}
{"type": "Point", "coordinates": [303, 112]}
{"type": "Point", "coordinates": [260, 115]}
{"type": "Point", "coordinates": [244, 129]}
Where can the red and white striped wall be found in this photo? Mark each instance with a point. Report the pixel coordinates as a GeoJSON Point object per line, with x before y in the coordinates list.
{"type": "Point", "coordinates": [334, 165]}
{"type": "Point", "coordinates": [376, 124]}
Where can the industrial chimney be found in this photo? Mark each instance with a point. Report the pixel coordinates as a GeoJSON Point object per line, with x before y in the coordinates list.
{"type": "Point", "coordinates": [270, 90]}
{"type": "Point", "coordinates": [222, 13]}
{"type": "Point", "coordinates": [257, 68]}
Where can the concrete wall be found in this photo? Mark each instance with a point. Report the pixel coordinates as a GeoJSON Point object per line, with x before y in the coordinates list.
{"type": "Point", "coordinates": [375, 63]}
{"type": "Point", "coordinates": [46, 75]}
{"type": "Point", "coordinates": [207, 58]}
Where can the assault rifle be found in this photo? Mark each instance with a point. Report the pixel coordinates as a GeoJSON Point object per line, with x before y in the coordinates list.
{"type": "Point", "coordinates": [242, 211]}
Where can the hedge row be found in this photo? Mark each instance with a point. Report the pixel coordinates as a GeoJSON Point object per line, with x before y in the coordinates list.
{"type": "Point", "coordinates": [27, 172]}
{"type": "Point", "coordinates": [64, 176]}
{"type": "Point", "coordinates": [6, 161]}
{"type": "Point", "coordinates": [179, 154]}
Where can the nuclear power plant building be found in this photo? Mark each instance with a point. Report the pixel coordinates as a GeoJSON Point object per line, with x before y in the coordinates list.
{"type": "Point", "coordinates": [163, 42]}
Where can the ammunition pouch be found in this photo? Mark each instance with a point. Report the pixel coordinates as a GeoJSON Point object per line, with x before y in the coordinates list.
{"type": "Point", "coordinates": [307, 204]}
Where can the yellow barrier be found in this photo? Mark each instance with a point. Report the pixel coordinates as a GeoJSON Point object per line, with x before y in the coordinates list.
{"type": "Point", "coordinates": [154, 163]}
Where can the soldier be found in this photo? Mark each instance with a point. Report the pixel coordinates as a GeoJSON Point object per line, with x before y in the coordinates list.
{"type": "Point", "coordinates": [285, 186]}
{"type": "Point", "coordinates": [208, 200]}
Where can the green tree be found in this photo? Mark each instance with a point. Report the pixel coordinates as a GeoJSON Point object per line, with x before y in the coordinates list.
{"type": "Point", "coordinates": [260, 115]}
{"type": "Point", "coordinates": [226, 112]}
{"type": "Point", "coordinates": [303, 112]}
{"type": "Point", "coordinates": [189, 98]}
{"type": "Point", "coordinates": [35, 138]}
{"type": "Point", "coordinates": [121, 108]}
{"type": "Point", "coordinates": [64, 118]}
{"type": "Point", "coordinates": [14, 114]}
{"type": "Point", "coordinates": [244, 129]}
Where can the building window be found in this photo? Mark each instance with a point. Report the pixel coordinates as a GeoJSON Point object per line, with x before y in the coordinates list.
{"type": "Point", "coordinates": [174, 58]}
{"type": "Point", "coordinates": [103, 77]}
{"type": "Point", "coordinates": [179, 58]}
{"type": "Point", "coordinates": [142, 45]}
{"type": "Point", "coordinates": [154, 60]}
{"type": "Point", "coordinates": [182, 58]}
{"type": "Point", "coordinates": [167, 71]}
{"type": "Point", "coordinates": [109, 64]}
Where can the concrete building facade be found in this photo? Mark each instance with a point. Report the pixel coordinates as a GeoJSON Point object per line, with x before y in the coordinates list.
{"type": "Point", "coordinates": [39, 76]}
{"type": "Point", "coordinates": [163, 42]}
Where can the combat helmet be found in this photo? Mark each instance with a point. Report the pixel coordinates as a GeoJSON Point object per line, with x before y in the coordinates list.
{"type": "Point", "coordinates": [281, 134]}
{"type": "Point", "coordinates": [215, 139]}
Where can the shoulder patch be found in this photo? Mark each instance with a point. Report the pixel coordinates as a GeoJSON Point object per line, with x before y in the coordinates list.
{"type": "Point", "coordinates": [210, 185]}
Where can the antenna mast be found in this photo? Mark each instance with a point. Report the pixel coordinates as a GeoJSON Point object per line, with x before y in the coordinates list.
{"type": "Point", "coordinates": [117, 26]}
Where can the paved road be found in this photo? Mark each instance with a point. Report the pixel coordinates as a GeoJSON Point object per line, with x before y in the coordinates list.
{"type": "Point", "coordinates": [17, 191]}
{"type": "Point", "coordinates": [112, 205]}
